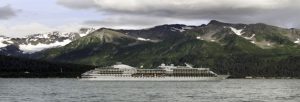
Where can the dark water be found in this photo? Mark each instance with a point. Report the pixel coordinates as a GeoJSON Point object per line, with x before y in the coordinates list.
{"type": "Point", "coordinates": [66, 90]}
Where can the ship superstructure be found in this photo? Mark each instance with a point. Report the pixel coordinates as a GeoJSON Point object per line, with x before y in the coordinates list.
{"type": "Point", "coordinates": [122, 72]}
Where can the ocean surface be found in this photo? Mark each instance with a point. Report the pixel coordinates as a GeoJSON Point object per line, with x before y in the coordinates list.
{"type": "Point", "coordinates": [73, 90]}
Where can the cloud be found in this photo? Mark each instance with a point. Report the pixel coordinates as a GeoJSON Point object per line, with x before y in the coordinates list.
{"type": "Point", "coordinates": [126, 21]}
{"type": "Point", "coordinates": [136, 21]}
{"type": "Point", "coordinates": [277, 12]}
{"type": "Point", "coordinates": [6, 12]}
{"type": "Point", "coordinates": [77, 4]}
{"type": "Point", "coordinates": [20, 30]}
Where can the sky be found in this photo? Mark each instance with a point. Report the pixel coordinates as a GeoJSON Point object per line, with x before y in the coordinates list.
{"type": "Point", "coordinates": [19, 18]}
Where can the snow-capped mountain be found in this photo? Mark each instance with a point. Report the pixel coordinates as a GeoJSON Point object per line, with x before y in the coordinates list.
{"type": "Point", "coordinates": [38, 42]}
{"type": "Point", "coordinates": [215, 41]}
{"type": "Point", "coordinates": [231, 36]}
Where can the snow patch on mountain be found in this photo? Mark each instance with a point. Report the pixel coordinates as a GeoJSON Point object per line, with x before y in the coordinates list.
{"type": "Point", "coordinates": [143, 39]}
{"type": "Point", "coordinates": [83, 34]}
{"type": "Point", "coordinates": [249, 38]}
{"type": "Point", "coordinates": [176, 29]}
{"type": "Point", "coordinates": [182, 29]}
{"type": "Point", "coordinates": [33, 40]}
{"type": "Point", "coordinates": [85, 31]}
{"type": "Point", "coordinates": [199, 38]}
{"type": "Point", "coordinates": [39, 47]}
{"type": "Point", "coordinates": [2, 44]}
{"type": "Point", "coordinates": [38, 36]}
{"type": "Point", "coordinates": [4, 39]}
{"type": "Point", "coordinates": [240, 32]}
{"type": "Point", "coordinates": [297, 41]}
{"type": "Point", "coordinates": [188, 27]}
{"type": "Point", "coordinates": [9, 41]}
{"type": "Point", "coordinates": [237, 31]}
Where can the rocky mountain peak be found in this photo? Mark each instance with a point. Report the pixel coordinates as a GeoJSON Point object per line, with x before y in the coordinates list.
{"type": "Point", "coordinates": [215, 22]}
{"type": "Point", "coordinates": [38, 42]}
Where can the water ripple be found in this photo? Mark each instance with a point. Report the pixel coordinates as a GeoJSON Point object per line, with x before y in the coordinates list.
{"type": "Point", "coordinates": [72, 90]}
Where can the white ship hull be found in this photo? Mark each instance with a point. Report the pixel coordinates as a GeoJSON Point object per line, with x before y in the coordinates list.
{"type": "Point", "coordinates": [117, 78]}
{"type": "Point", "coordinates": [122, 72]}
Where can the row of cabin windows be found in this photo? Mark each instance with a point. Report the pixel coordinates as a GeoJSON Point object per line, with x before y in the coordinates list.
{"type": "Point", "coordinates": [175, 75]}
{"type": "Point", "coordinates": [160, 75]}
{"type": "Point", "coordinates": [190, 71]}
{"type": "Point", "coordinates": [114, 69]}
{"type": "Point", "coordinates": [110, 72]}
{"type": "Point", "coordinates": [194, 74]}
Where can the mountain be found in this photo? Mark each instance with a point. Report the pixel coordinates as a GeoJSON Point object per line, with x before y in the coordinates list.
{"type": "Point", "coordinates": [262, 35]}
{"type": "Point", "coordinates": [161, 32]}
{"type": "Point", "coordinates": [240, 49]}
{"type": "Point", "coordinates": [38, 42]}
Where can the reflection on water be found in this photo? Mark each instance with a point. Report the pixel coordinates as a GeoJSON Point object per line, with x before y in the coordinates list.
{"type": "Point", "coordinates": [232, 90]}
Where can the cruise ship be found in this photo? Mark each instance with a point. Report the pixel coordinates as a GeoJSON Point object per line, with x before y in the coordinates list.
{"type": "Point", "coordinates": [122, 72]}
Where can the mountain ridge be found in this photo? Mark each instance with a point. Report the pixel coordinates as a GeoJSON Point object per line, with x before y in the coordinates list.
{"type": "Point", "coordinates": [241, 49]}
{"type": "Point", "coordinates": [38, 42]}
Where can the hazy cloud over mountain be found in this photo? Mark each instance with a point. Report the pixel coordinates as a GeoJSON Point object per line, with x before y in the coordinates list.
{"type": "Point", "coordinates": [46, 15]}
{"type": "Point", "coordinates": [77, 4]}
{"type": "Point", "coordinates": [277, 12]}
{"type": "Point", "coordinates": [137, 21]}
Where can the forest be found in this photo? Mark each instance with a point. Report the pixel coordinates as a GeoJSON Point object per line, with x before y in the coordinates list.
{"type": "Point", "coordinates": [12, 67]}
